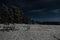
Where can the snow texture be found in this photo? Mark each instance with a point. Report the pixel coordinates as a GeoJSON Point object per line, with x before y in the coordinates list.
{"type": "Point", "coordinates": [32, 32]}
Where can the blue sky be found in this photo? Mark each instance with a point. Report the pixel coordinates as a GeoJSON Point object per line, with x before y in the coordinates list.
{"type": "Point", "coordinates": [39, 10]}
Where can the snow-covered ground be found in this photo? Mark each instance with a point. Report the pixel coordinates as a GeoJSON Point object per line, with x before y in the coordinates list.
{"type": "Point", "coordinates": [32, 32]}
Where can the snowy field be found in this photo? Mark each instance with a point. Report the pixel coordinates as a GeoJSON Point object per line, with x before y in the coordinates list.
{"type": "Point", "coordinates": [32, 32]}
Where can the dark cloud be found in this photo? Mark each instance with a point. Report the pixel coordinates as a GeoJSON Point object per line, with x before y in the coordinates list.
{"type": "Point", "coordinates": [44, 15]}
{"type": "Point", "coordinates": [33, 4]}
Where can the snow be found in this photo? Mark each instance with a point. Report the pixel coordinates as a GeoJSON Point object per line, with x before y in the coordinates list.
{"type": "Point", "coordinates": [31, 32]}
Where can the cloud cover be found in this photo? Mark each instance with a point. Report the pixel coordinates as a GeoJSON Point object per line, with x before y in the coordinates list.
{"type": "Point", "coordinates": [38, 9]}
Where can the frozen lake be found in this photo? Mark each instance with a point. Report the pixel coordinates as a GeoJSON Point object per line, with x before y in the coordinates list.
{"type": "Point", "coordinates": [32, 32]}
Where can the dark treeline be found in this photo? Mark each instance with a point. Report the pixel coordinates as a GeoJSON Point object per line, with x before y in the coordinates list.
{"type": "Point", "coordinates": [49, 23]}
{"type": "Point", "coordinates": [13, 15]}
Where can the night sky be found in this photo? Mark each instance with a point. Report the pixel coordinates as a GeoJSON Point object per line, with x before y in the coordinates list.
{"type": "Point", "coordinates": [38, 10]}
